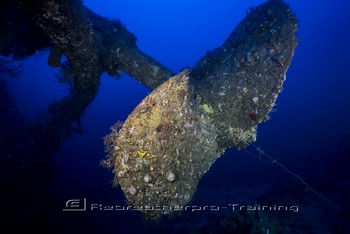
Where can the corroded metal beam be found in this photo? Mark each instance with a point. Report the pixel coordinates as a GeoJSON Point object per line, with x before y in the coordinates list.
{"type": "Point", "coordinates": [92, 43]}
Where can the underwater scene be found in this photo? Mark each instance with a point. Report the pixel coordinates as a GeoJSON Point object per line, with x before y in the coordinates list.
{"type": "Point", "coordinates": [175, 116]}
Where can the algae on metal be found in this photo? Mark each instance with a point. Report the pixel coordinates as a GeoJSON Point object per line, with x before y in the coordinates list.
{"type": "Point", "coordinates": [186, 123]}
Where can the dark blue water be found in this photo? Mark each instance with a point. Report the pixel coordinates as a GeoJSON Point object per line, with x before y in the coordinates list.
{"type": "Point", "coordinates": [309, 130]}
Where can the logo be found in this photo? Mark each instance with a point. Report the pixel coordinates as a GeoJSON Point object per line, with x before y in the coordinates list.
{"type": "Point", "coordinates": [81, 205]}
{"type": "Point", "coordinates": [75, 205]}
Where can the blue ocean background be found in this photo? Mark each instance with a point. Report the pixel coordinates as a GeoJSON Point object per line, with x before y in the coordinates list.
{"type": "Point", "coordinates": [309, 129]}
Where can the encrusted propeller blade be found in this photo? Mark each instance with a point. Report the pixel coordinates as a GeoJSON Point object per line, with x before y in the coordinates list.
{"type": "Point", "coordinates": [177, 132]}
